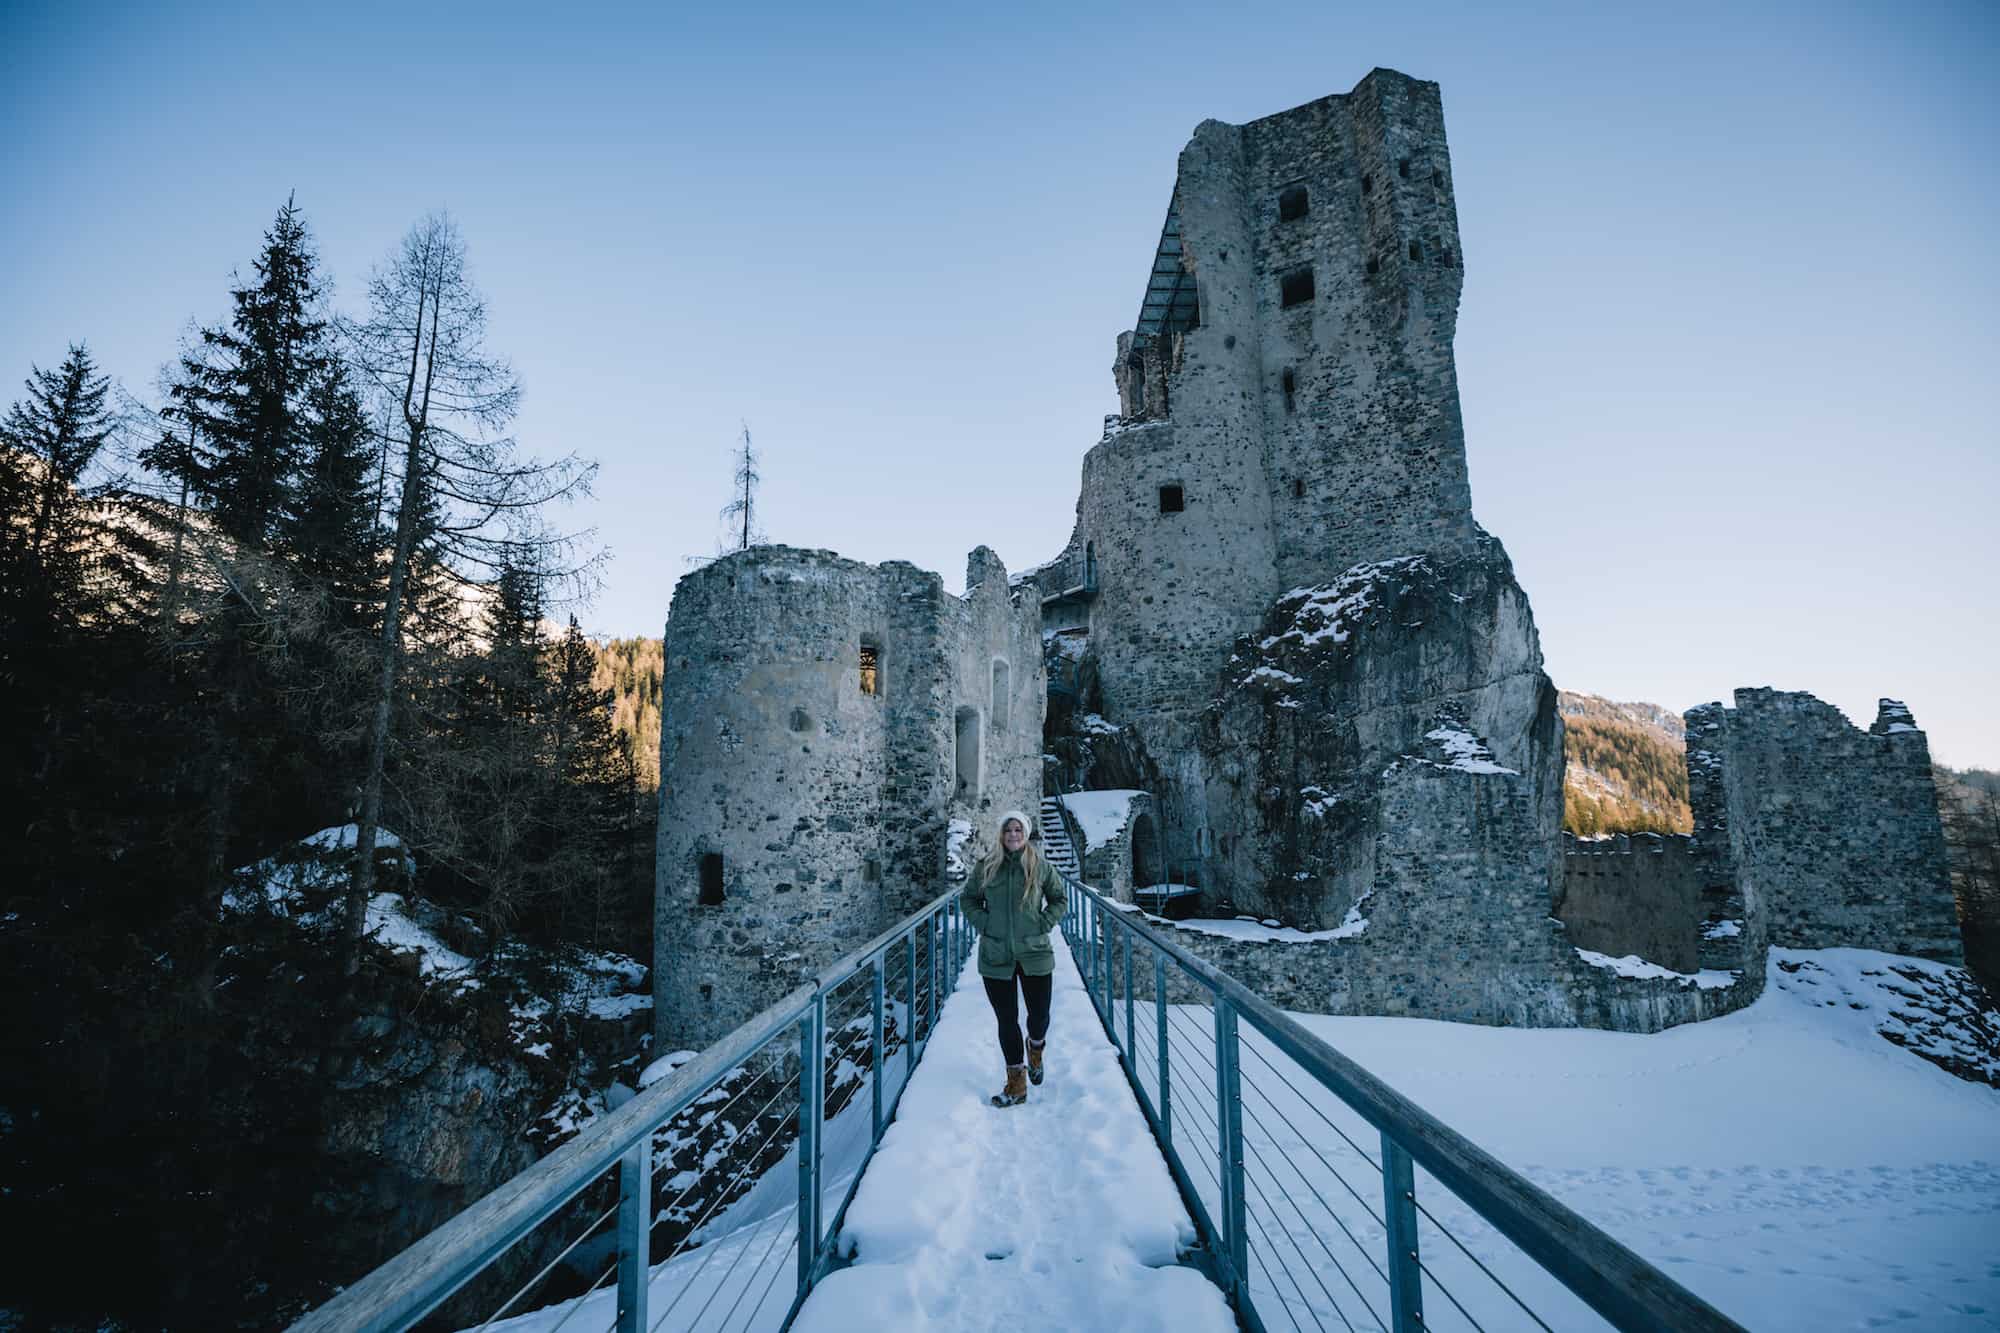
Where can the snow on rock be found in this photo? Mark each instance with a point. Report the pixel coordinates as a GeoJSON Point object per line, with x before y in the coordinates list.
{"type": "Point", "coordinates": [1932, 1009]}
{"type": "Point", "coordinates": [1315, 801]}
{"type": "Point", "coordinates": [1100, 815]}
{"type": "Point", "coordinates": [310, 867]}
{"type": "Point", "coordinates": [664, 1066]}
{"type": "Point", "coordinates": [1094, 724]}
{"type": "Point", "coordinates": [1723, 930]}
{"type": "Point", "coordinates": [1632, 965]}
{"type": "Point", "coordinates": [956, 863]}
{"type": "Point", "coordinates": [1465, 751]}
{"type": "Point", "coordinates": [1056, 1214]}
{"type": "Point", "coordinates": [1331, 611]}
{"type": "Point", "coordinates": [1068, 644]}
{"type": "Point", "coordinates": [390, 924]}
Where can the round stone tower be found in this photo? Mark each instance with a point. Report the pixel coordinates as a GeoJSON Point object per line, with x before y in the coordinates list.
{"type": "Point", "coordinates": [823, 722]}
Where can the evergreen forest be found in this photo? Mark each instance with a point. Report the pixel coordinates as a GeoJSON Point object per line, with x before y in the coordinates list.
{"type": "Point", "coordinates": [312, 583]}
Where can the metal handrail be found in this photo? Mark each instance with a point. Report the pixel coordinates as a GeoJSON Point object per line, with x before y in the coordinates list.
{"type": "Point", "coordinates": [1618, 1284]}
{"type": "Point", "coordinates": [421, 1278]}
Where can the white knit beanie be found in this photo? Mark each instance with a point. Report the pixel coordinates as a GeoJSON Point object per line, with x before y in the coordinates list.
{"type": "Point", "coordinates": [1027, 824]}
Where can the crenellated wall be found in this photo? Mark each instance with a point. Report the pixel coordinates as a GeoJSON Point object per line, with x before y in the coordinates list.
{"type": "Point", "coordinates": [1638, 894]}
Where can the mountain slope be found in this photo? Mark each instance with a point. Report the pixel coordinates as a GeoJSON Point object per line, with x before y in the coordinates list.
{"type": "Point", "coordinates": [1625, 768]}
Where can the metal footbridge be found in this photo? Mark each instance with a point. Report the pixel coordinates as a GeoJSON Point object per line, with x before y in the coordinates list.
{"type": "Point", "coordinates": [1320, 1197]}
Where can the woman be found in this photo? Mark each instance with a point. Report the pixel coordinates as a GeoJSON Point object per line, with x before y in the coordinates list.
{"type": "Point", "coordinates": [1014, 899]}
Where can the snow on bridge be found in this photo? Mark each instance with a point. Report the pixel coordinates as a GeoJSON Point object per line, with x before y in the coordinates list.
{"type": "Point", "coordinates": [1056, 1214]}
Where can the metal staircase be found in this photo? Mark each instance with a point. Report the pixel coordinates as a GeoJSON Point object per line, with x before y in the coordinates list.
{"type": "Point", "coordinates": [1056, 844]}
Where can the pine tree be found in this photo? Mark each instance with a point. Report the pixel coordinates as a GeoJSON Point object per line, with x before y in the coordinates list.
{"type": "Point", "coordinates": [245, 393]}
{"type": "Point", "coordinates": [48, 445]}
{"type": "Point", "coordinates": [329, 532]}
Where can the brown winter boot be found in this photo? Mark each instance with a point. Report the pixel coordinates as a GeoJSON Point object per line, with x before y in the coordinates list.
{"type": "Point", "coordinates": [1035, 1049]}
{"type": "Point", "coordinates": [1016, 1090]}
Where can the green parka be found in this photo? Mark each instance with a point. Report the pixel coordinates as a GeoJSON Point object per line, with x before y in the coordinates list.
{"type": "Point", "coordinates": [1011, 933]}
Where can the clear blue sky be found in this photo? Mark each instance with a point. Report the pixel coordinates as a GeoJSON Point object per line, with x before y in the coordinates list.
{"type": "Point", "coordinates": [1727, 348]}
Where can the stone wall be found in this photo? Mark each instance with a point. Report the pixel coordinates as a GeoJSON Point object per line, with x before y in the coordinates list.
{"type": "Point", "coordinates": [1108, 862]}
{"type": "Point", "coordinates": [1442, 935]}
{"type": "Point", "coordinates": [819, 807]}
{"type": "Point", "coordinates": [1833, 831]}
{"type": "Point", "coordinates": [1633, 895]}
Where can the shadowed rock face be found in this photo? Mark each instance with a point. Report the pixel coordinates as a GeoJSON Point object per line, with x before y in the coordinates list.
{"type": "Point", "coordinates": [1425, 663]}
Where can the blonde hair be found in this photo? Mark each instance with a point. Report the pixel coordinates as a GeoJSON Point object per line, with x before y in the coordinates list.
{"type": "Point", "coordinates": [1031, 865]}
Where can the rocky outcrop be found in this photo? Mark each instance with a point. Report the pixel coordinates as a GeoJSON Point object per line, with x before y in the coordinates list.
{"type": "Point", "coordinates": [1399, 673]}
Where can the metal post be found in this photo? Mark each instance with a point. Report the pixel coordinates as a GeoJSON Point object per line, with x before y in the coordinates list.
{"type": "Point", "coordinates": [910, 1009]}
{"type": "Point", "coordinates": [1166, 1107]}
{"type": "Point", "coordinates": [1105, 973]}
{"type": "Point", "coordinates": [812, 1083]}
{"type": "Point", "coordinates": [1229, 1118]}
{"type": "Point", "coordinates": [1399, 1210]}
{"type": "Point", "coordinates": [1131, 1050]}
{"type": "Point", "coordinates": [635, 1210]}
{"type": "Point", "coordinates": [875, 987]}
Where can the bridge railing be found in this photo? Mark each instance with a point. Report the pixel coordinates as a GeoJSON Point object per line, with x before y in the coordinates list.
{"type": "Point", "coordinates": [677, 1201]}
{"type": "Point", "coordinates": [1302, 1169]}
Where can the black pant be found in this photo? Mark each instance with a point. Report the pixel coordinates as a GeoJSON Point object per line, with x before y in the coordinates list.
{"type": "Point", "coordinates": [1000, 994]}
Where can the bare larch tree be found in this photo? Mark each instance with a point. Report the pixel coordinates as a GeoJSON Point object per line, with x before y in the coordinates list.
{"type": "Point", "coordinates": [740, 514]}
{"type": "Point", "coordinates": [464, 503]}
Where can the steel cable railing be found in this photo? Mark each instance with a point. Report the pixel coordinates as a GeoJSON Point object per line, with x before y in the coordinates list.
{"type": "Point", "coordinates": [1187, 1067]}
{"type": "Point", "coordinates": [819, 1064]}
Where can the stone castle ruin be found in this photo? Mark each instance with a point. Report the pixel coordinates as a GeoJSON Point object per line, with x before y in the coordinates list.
{"type": "Point", "coordinates": [1279, 641]}
{"type": "Point", "coordinates": [824, 723]}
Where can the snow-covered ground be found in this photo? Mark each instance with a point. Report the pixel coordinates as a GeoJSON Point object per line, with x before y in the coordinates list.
{"type": "Point", "coordinates": [1058, 1214]}
{"type": "Point", "coordinates": [1786, 1163]}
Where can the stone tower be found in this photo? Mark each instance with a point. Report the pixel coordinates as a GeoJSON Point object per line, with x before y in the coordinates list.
{"type": "Point", "coordinates": [824, 721]}
{"type": "Point", "coordinates": [1289, 420]}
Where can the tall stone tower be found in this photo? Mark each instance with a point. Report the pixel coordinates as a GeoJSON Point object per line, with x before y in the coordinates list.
{"type": "Point", "coordinates": [1289, 421]}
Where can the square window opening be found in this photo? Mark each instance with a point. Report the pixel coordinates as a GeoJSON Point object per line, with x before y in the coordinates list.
{"type": "Point", "coordinates": [1293, 204]}
{"type": "Point", "coordinates": [1172, 499]}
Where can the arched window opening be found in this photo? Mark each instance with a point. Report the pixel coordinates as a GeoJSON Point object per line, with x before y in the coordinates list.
{"type": "Point", "coordinates": [711, 879]}
{"type": "Point", "coordinates": [966, 732]}
{"type": "Point", "coordinates": [997, 707]}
